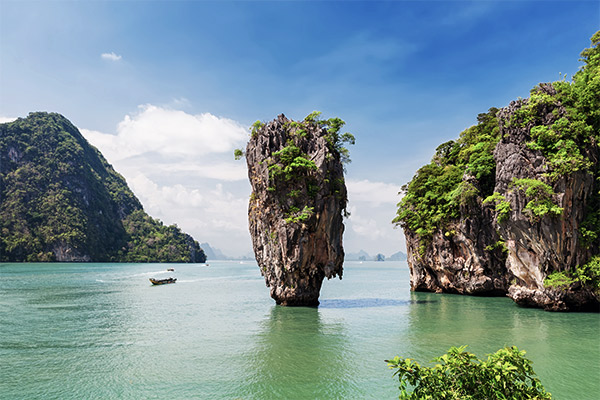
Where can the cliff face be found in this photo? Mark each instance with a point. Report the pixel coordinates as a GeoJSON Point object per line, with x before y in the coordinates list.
{"type": "Point", "coordinates": [459, 258]}
{"type": "Point", "coordinates": [513, 206]}
{"type": "Point", "coordinates": [539, 245]}
{"type": "Point", "coordinates": [61, 201]}
{"type": "Point", "coordinates": [295, 210]}
{"type": "Point", "coordinates": [529, 229]}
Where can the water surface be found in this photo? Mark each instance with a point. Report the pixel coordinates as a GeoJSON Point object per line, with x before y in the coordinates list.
{"type": "Point", "coordinates": [73, 331]}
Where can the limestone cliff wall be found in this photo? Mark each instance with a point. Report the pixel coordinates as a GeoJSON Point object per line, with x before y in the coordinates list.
{"type": "Point", "coordinates": [538, 246]}
{"type": "Point", "coordinates": [461, 258]}
{"type": "Point", "coordinates": [295, 218]}
{"type": "Point", "coordinates": [490, 253]}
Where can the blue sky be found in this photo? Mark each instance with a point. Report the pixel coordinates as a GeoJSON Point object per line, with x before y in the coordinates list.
{"type": "Point", "coordinates": [166, 89]}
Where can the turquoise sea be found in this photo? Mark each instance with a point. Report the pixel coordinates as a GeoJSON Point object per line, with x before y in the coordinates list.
{"type": "Point", "coordinates": [101, 331]}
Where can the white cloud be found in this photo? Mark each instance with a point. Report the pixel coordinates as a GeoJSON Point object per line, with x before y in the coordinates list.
{"type": "Point", "coordinates": [364, 226]}
{"type": "Point", "coordinates": [210, 214]}
{"type": "Point", "coordinates": [372, 206]}
{"type": "Point", "coordinates": [4, 120]}
{"type": "Point", "coordinates": [372, 192]}
{"type": "Point", "coordinates": [173, 132]}
{"type": "Point", "coordinates": [220, 170]}
{"type": "Point", "coordinates": [175, 142]}
{"type": "Point", "coordinates": [110, 56]}
{"type": "Point", "coordinates": [181, 167]}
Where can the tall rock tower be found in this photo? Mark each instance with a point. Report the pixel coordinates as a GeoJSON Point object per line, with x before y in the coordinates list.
{"type": "Point", "coordinates": [297, 205]}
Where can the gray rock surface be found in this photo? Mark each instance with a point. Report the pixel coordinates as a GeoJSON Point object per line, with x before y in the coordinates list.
{"type": "Point", "coordinates": [465, 257]}
{"type": "Point", "coordinates": [296, 224]}
{"type": "Point", "coordinates": [456, 260]}
{"type": "Point", "coordinates": [540, 246]}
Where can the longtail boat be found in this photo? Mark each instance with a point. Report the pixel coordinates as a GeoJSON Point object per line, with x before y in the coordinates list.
{"type": "Point", "coordinates": [162, 281]}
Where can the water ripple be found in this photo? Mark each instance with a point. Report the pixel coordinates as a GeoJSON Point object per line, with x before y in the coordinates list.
{"type": "Point", "coordinates": [368, 303]}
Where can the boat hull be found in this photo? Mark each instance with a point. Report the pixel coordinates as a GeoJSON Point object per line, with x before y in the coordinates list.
{"type": "Point", "coordinates": [163, 281]}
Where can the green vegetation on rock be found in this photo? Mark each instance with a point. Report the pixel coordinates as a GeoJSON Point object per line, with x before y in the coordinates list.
{"type": "Point", "coordinates": [503, 207]}
{"type": "Point", "coordinates": [335, 140]}
{"type": "Point", "coordinates": [460, 375]}
{"type": "Point", "coordinates": [148, 240]}
{"type": "Point", "coordinates": [61, 200]}
{"type": "Point", "coordinates": [291, 166]}
{"type": "Point", "coordinates": [539, 195]}
{"type": "Point", "coordinates": [464, 170]}
{"type": "Point", "coordinates": [586, 274]}
{"type": "Point", "coordinates": [435, 194]}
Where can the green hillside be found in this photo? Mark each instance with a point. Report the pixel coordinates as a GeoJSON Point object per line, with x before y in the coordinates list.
{"type": "Point", "coordinates": [60, 200]}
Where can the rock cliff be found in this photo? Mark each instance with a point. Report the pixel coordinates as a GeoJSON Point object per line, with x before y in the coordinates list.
{"type": "Point", "coordinates": [513, 206]}
{"type": "Point", "coordinates": [296, 208]}
{"type": "Point", "coordinates": [540, 243]}
{"type": "Point", "coordinates": [459, 258]}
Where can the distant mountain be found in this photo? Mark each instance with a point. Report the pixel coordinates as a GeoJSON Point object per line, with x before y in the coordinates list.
{"type": "Point", "coordinates": [213, 253]}
{"type": "Point", "coordinates": [364, 256]}
{"type": "Point", "coordinates": [399, 256]}
{"type": "Point", "coordinates": [360, 256]}
{"type": "Point", "coordinates": [60, 200]}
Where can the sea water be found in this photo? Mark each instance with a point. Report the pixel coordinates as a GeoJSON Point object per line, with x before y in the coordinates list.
{"type": "Point", "coordinates": [102, 331]}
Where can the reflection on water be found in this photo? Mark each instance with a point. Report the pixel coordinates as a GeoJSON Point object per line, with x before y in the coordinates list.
{"type": "Point", "coordinates": [486, 324]}
{"type": "Point", "coordinates": [368, 303]}
{"type": "Point", "coordinates": [297, 355]}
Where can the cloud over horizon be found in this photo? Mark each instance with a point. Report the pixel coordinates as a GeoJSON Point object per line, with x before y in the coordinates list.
{"type": "Point", "coordinates": [175, 142]}
{"type": "Point", "coordinates": [181, 166]}
{"type": "Point", "coordinates": [4, 120]}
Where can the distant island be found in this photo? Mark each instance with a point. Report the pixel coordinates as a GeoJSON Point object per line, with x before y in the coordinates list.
{"type": "Point", "coordinates": [364, 256]}
{"type": "Point", "coordinates": [60, 200]}
{"type": "Point", "coordinates": [213, 253]}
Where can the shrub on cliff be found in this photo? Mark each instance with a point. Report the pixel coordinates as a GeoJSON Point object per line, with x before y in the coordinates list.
{"type": "Point", "coordinates": [506, 374]}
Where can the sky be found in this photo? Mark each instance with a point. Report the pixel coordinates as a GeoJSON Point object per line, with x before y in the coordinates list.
{"type": "Point", "coordinates": [167, 90]}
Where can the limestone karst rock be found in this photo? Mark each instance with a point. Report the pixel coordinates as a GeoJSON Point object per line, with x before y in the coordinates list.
{"type": "Point", "coordinates": [483, 249]}
{"type": "Point", "coordinates": [513, 206]}
{"type": "Point", "coordinates": [539, 245]}
{"type": "Point", "coordinates": [458, 259]}
{"type": "Point", "coordinates": [297, 204]}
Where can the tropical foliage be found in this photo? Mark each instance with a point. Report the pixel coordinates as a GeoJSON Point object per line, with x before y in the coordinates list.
{"type": "Point", "coordinates": [435, 194]}
{"type": "Point", "coordinates": [460, 375]}
{"type": "Point", "coordinates": [292, 174]}
{"type": "Point", "coordinates": [587, 274]}
{"type": "Point", "coordinates": [148, 240]}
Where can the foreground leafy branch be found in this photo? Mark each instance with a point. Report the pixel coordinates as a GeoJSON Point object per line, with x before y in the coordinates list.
{"type": "Point", "coordinates": [506, 374]}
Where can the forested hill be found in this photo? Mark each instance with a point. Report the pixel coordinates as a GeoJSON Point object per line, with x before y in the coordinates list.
{"type": "Point", "coordinates": [60, 200]}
